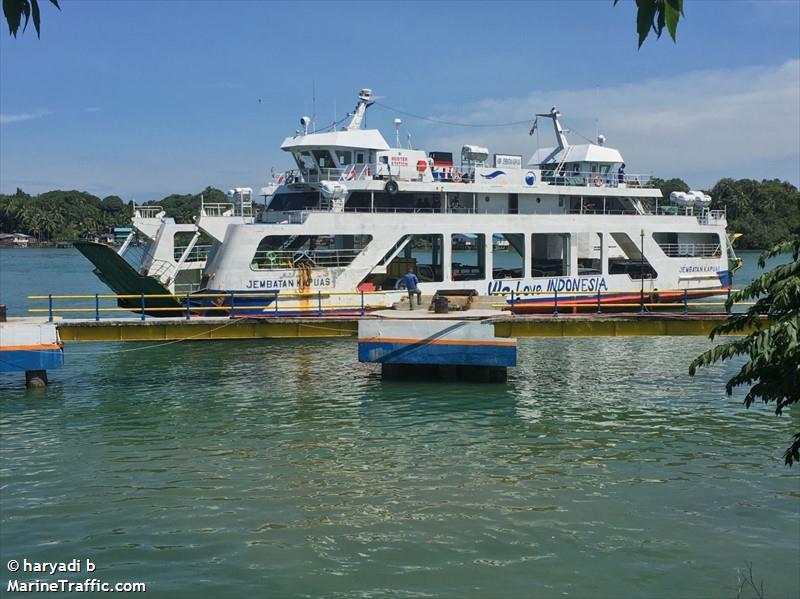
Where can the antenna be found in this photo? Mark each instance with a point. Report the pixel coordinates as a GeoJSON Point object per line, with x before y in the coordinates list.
{"type": "Point", "coordinates": [397, 123]}
{"type": "Point", "coordinates": [314, 104]}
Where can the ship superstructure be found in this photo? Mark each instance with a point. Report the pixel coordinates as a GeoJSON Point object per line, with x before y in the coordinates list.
{"type": "Point", "coordinates": [357, 213]}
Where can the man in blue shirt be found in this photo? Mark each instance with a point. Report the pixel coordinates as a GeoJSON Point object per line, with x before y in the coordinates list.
{"type": "Point", "coordinates": [412, 283]}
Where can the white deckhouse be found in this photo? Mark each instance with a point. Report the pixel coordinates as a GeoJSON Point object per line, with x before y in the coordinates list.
{"type": "Point", "coordinates": [356, 214]}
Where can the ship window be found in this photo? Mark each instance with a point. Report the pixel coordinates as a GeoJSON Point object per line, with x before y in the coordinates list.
{"type": "Point", "coordinates": [282, 252]}
{"type": "Point", "coordinates": [625, 258]}
{"type": "Point", "coordinates": [689, 245]}
{"type": "Point", "coordinates": [550, 254]}
{"type": "Point", "coordinates": [324, 159]}
{"type": "Point", "coordinates": [422, 253]}
{"type": "Point", "coordinates": [306, 163]}
{"type": "Point", "coordinates": [508, 255]}
{"type": "Point", "coordinates": [345, 157]}
{"type": "Point", "coordinates": [590, 254]}
{"type": "Point", "coordinates": [468, 256]}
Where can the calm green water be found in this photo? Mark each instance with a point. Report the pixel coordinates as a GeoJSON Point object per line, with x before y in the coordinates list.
{"type": "Point", "coordinates": [286, 468]}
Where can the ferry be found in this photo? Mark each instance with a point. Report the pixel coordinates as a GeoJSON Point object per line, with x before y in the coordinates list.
{"type": "Point", "coordinates": [569, 224]}
{"type": "Point", "coordinates": [171, 260]}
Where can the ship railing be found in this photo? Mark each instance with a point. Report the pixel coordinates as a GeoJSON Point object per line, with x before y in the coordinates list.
{"type": "Point", "coordinates": [646, 300]}
{"type": "Point", "coordinates": [691, 250]}
{"type": "Point", "coordinates": [322, 258]}
{"type": "Point", "coordinates": [298, 217]}
{"type": "Point", "coordinates": [286, 217]}
{"type": "Point", "coordinates": [712, 217]}
{"type": "Point", "coordinates": [593, 179]}
{"type": "Point", "coordinates": [148, 211]}
{"type": "Point", "coordinates": [199, 253]}
{"type": "Point", "coordinates": [221, 209]}
{"type": "Point", "coordinates": [189, 305]}
{"type": "Point", "coordinates": [586, 210]}
{"type": "Point", "coordinates": [351, 172]}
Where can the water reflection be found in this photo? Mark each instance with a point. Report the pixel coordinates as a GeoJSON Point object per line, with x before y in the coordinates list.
{"type": "Point", "coordinates": [599, 467]}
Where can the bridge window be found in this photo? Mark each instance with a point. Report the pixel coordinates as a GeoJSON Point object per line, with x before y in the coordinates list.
{"type": "Point", "coordinates": [550, 254]}
{"type": "Point", "coordinates": [345, 157]}
{"type": "Point", "coordinates": [281, 252]}
{"type": "Point", "coordinates": [508, 255]}
{"type": "Point", "coordinates": [305, 162]}
{"type": "Point", "coordinates": [689, 245]}
{"type": "Point", "coordinates": [324, 159]}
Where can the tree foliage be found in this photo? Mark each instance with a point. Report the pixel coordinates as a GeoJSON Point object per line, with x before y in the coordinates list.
{"type": "Point", "coordinates": [62, 215]}
{"type": "Point", "coordinates": [669, 185]}
{"type": "Point", "coordinates": [68, 215]}
{"type": "Point", "coordinates": [184, 208]}
{"type": "Point", "coordinates": [655, 15]}
{"type": "Point", "coordinates": [15, 10]}
{"type": "Point", "coordinates": [772, 346]}
{"type": "Point", "coordinates": [766, 212]}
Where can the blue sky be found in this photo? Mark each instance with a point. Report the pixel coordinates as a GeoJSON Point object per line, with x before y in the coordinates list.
{"type": "Point", "coordinates": [143, 99]}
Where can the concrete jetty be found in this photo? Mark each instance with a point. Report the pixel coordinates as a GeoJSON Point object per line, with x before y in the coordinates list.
{"type": "Point", "coordinates": [451, 346]}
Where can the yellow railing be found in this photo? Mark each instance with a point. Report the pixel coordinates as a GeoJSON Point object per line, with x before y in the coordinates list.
{"type": "Point", "coordinates": [187, 306]}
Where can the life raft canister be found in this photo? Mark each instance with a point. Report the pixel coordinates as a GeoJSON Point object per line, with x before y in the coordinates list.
{"type": "Point", "coordinates": [421, 166]}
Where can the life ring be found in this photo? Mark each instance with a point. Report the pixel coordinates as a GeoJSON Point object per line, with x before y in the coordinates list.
{"type": "Point", "coordinates": [598, 181]}
{"type": "Point", "coordinates": [421, 166]}
{"type": "Point", "coordinates": [352, 174]}
{"type": "Point", "coordinates": [391, 187]}
{"type": "Point", "coordinates": [369, 172]}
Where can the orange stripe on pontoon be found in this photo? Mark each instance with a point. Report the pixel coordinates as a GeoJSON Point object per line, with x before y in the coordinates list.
{"type": "Point", "coordinates": [41, 347]}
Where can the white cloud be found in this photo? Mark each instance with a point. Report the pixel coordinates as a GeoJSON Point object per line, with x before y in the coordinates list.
{"type": "Point", "coordinates": [701, 125]}
{"type": "Point", "coordinates": [6, 118]}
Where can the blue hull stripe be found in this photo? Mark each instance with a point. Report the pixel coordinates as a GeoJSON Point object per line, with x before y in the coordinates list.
{"type": "Point", "coordinates": [17, 360]}
{"type": "Point", "coordinates": [426, 353]}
